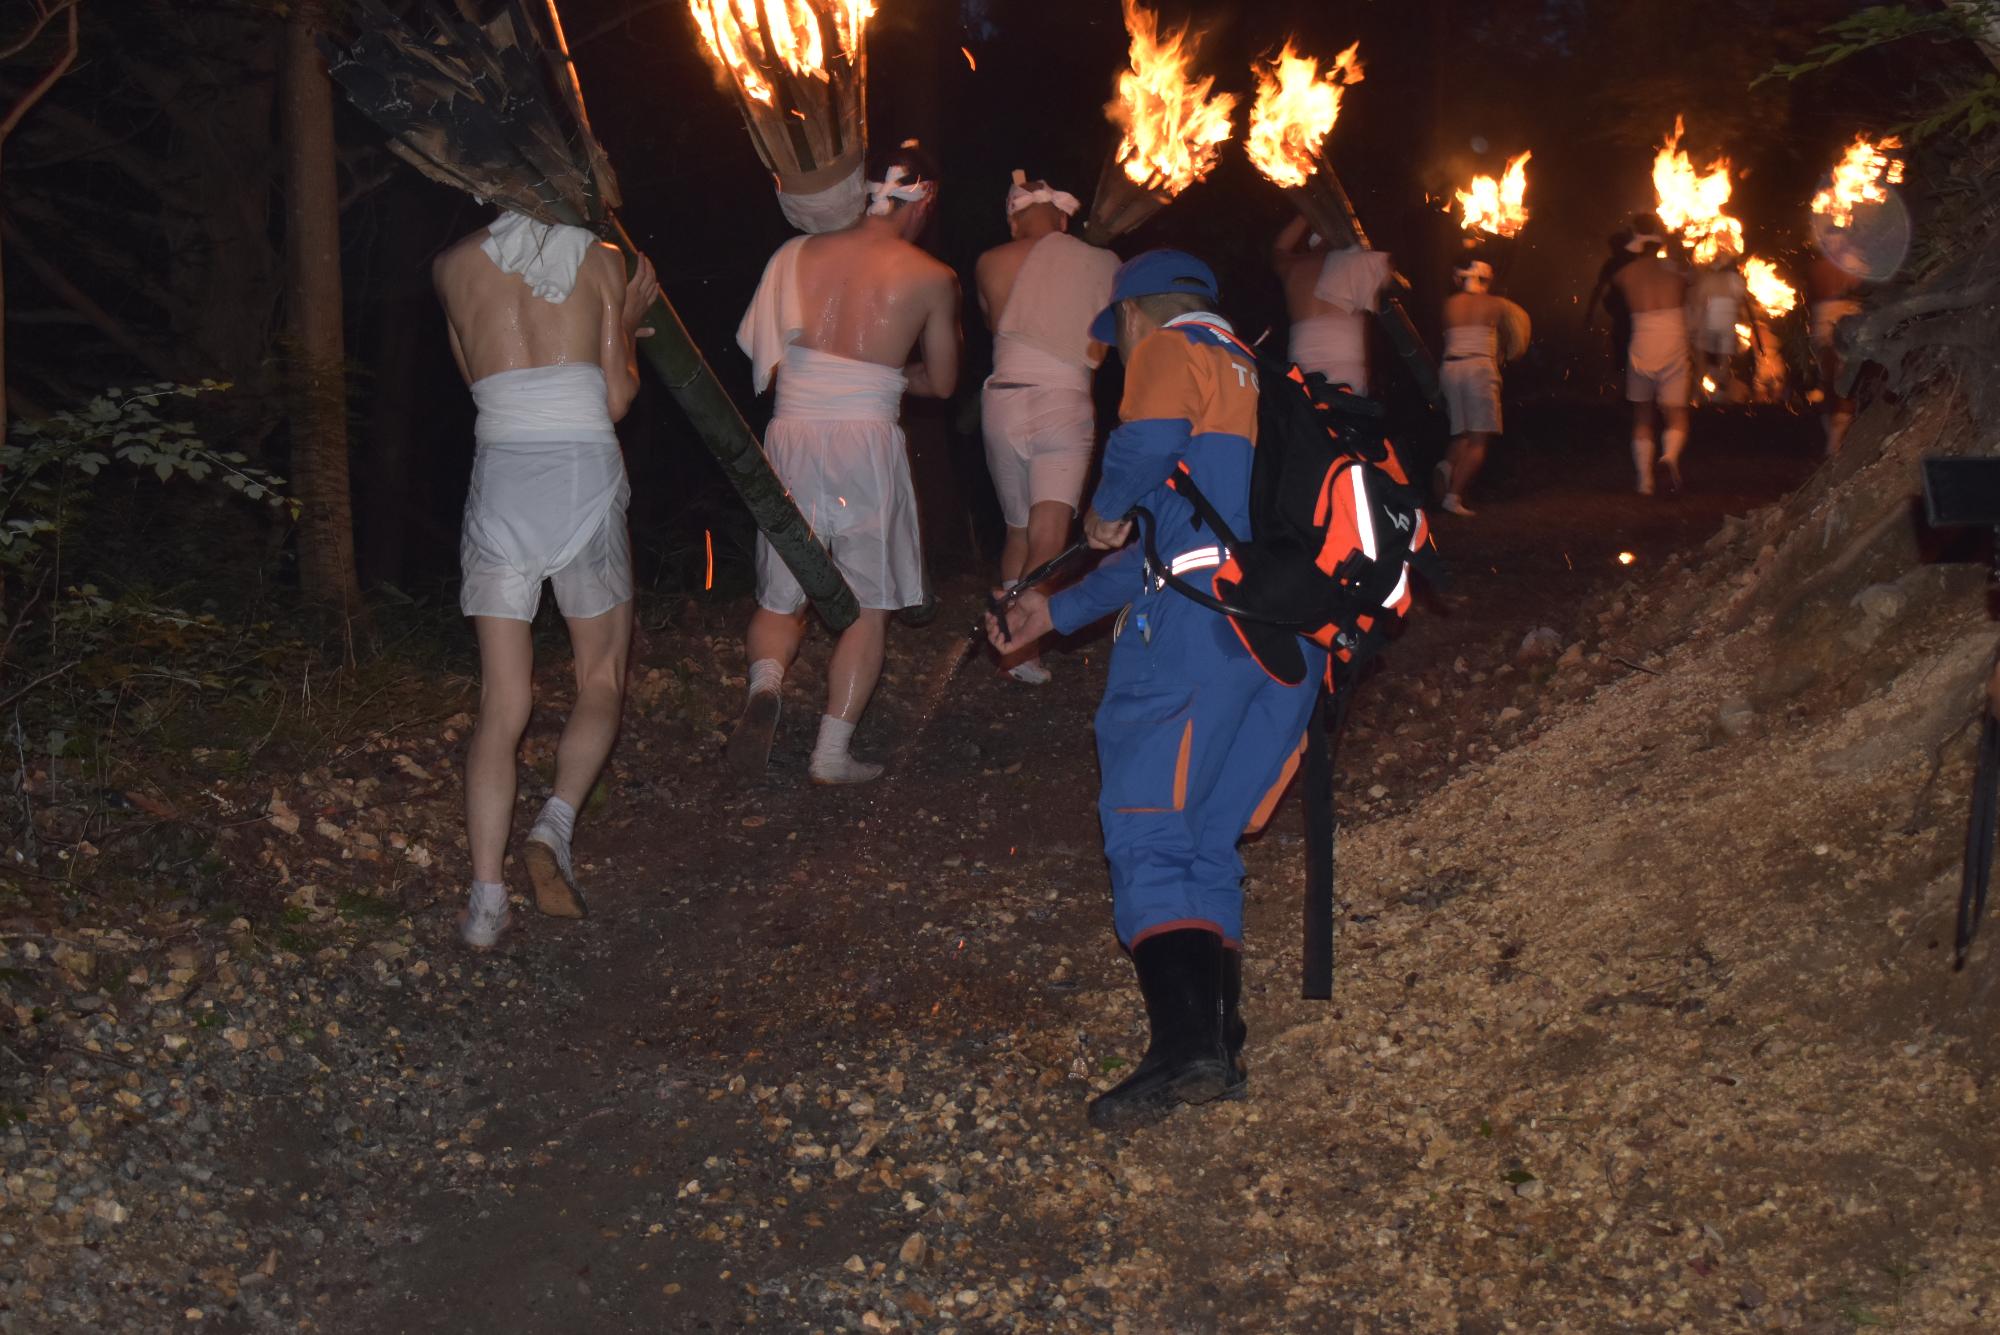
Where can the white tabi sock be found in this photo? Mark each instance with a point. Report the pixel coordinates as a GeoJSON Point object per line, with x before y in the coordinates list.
{"type": "Point", "coordinates": [1642, 459]}
{"type": "Point", "coordinates": [831, 762]}
{"type": "Point", "coordinates": [555, 827]}
{"type": "Point", "coordinates": [485, 916]}
{"type": "Point", "coordinates": [766, 674]}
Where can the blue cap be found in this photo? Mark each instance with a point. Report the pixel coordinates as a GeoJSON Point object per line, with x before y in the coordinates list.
{"type": "Point", "coordinates": [1153, 274]}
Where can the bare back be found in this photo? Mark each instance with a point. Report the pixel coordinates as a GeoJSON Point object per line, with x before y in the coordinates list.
{"type": "Point", "coordinates": [1649, 283]}
{"type": "Point", "coordinates": [1300, 275]}
{"type": "Point", "coordinates": [498, 323]}
{"type": "Point", "coordinates": [1473, 308]}
{"type": "Point", "coordinates": [871, 296]}
{"type": "Point", "coordinates": [995, 275]}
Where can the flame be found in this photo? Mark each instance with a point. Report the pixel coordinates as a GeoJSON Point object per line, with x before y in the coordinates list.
{"type": "Point", "coordinates": [1174, 130]}
{"type": "Point", "coordinates": [737, 39]}
{"type": "Point", "coordinates": [708, 547]}
{"type": "Point", "coordinates": [1690, 202]}
{"type": "Point", "coordinates": [1767, 288]}
{"type": "Point", "coordinates": [1496, 206]}
{"type": "Point", "coordinates": [1860, 177]}
{"type": "Point", "coordinates": [1295, 109]}
{"type": "Point", "coordinates": [1742, 335]}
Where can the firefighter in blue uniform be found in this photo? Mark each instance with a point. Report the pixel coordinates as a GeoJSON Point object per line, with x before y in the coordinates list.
{"type": "Point", "coordinates": [1195, 741]}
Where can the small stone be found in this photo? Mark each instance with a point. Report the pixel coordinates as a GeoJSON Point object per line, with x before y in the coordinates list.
{"type": "Point", "coordinates": [1531, 1190]}
{"type": "Point", "coordinates": [1377, 791]}
{"type": "Point", "coordinates": [913, 1250]}
{"type": "Point", "coordinates": [854, 1265]}
{"type": "Point", "coordinates": [1509, 714]}
{"type": "Point", "coordinates": [1735, 716]}
{"type": "Point", "coordinates": [1543, 642]}
{"type": "Point", "coordinates": [1572, 656]}
{"type": "Point", "coordinates": [1884, 602]}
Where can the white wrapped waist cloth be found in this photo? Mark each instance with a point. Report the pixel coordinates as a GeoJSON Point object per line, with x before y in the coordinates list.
{"type": "Point", "coordinates": [816, 386]}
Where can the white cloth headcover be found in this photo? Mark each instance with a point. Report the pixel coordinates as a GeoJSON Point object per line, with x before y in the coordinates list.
{"type": "Point", "coordinates": [1645, 244]}
{"type": "Point", "coordinates": [1021, 196]}
{"type": "Point", "coordinates": [895, 185]}
{"type": "Point", "coordinates": [1474, 275]}
{"type": "Point", "coordinates": [546, 255]}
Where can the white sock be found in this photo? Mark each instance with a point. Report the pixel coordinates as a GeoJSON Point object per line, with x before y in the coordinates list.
{"type": "Point", "coordinates": [488, 897]}
{"type": "Point", "coordinates": [1642, 459]}
{"type": "Point", "coordinates": [831, 762]}
{"type": "Point", "coordinates": [766, 674]}
{"type": "Point", "coordinates": [558, 818]}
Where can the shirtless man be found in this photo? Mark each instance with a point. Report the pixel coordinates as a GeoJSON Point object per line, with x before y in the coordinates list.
{"type": "Point", "coordinates": [1480, 331]}
{"type": "Point", "coordinates": [542, 321]}
{"type": "Point", "coordinates": [1718, 302]}
{"type": "Point", "coordinates": [836, 319]}
{"type": "Point", "coordinates": [1832, 295]}
{"type": "Point", "coordinates": [1039, 293]}
{"type": "Point", "coordinates": [1329, 295]}
{"type": "Point", "coordinates": [1657, 366]}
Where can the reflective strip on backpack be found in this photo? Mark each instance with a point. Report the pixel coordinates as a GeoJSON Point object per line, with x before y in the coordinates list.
{"type": "Point", "coordinates": [1364, 519]}
{"type": "Point", "coordinates": [1402, 588]}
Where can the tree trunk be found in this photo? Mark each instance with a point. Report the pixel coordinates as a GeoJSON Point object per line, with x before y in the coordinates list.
{"type": "Point", "coordinates": [317, 381]}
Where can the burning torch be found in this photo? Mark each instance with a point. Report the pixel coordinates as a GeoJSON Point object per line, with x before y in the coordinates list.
{"type": "Point", "coordinates": [1172, 129]}
{"type": "Point", "coordinates": [1295, 110]}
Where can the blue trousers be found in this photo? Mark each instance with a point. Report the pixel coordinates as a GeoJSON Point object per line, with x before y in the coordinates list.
{"type": "Point", "coordinates": [1195, 744]}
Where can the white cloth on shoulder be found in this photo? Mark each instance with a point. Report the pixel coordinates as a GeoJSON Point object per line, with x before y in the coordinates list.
{"type": "Point", "coordinates": [546, 255]}
{"type": "Point", "coordinates": [1658, 366]}
{"type": "Point", "coordinates": [835, 444]}
{"type": "Point", "coordinates": [838, 205]}
{"type": "Point", "coordinates": [1061, 286]}
{"type": "Point", "coordinates": [776, 316]}
{"type": "Point", "coordinates": [1335, 345]}
{"type": "Point", "coordinates": [1352, 278]}
{"type": "Point", "coordinates": [547, 499]}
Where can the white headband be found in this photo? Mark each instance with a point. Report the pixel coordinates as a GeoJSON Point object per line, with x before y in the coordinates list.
{"type": "Point", "coordinates": [896, 184]}
{"type": "Point", "coordinates": [1474, 271]}
{"type": "Point", "coordinates": [1019, 196]}
{"type": "Point", "coordinates": [1639, 245]}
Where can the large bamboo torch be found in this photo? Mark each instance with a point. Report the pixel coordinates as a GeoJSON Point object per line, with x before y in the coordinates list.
{"type": "Point", "coordinates": [1294, 113]}
{"type": "Point", "coordinates": [1691, 202]}
{"type": "Point", "coordinates": [1496, 208]}
{"type": "Point", "coordinates": [799, 72]}
{"type": "Point", "coordinates": [1172, 129]}
{"type": "Point", "coordinates": [495, 110]}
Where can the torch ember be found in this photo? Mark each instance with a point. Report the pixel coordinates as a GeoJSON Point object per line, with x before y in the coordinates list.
{"type": "Point", "coordinates": [1295, 109]}
{"type": "Point", "coordinates": [1862, 176]}
{"type": "Point", "coordinates": [1173, 129]}
{"type": "Point", "coordinates": [1691, 202]}
{"type": "Point", "coordinates": [1496, 207]}
{"type": "Point", "coordinates": [1767, 288]}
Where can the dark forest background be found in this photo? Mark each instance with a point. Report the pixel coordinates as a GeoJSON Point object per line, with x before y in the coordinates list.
{"type": "Point", "coordinates": [146, 233]}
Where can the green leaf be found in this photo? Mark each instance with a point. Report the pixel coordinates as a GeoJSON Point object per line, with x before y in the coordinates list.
{"type": "Point", "coordinates": [1517, 1176]}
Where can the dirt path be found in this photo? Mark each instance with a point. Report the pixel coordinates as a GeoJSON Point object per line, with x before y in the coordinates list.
{"type": "Point", "coordinates": [776, 975]}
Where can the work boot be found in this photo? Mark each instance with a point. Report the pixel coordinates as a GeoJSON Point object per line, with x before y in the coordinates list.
{"type": "Point", "coordinates": [1180, 978]}
{"type": "Point", "coordinates": [1234, 1031]}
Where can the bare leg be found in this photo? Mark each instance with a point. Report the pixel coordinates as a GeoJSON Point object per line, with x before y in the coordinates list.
{"type": "Point", "coordinates": [601, 646]}
{"type": "Point", "coordinates": [1674, 440]}
{"type": "Point", "coordinates": [1047, 534]}
{"type": "Point", "coordinates": [506, 695]}
{"type": "Point", "coordinates": [1013, 555]}
{"type": "Point", "coordinates": [771, 645]}
{"type": "Point", "coordinates": [850, 682]}
{"type": "Point", "coordinates": [1643, 446]}
{"type": "Point", "coordinates": [1468, 454]}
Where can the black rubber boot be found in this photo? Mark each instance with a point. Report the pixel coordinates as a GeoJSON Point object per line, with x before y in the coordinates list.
{"type": "Point", "coordinates": [1180, 977]}
{"type": "Point", "coordinates": [1234, 1031]}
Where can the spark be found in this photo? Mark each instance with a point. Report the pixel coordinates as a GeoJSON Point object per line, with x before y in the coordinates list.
{"type": "Point", "coordinates": [1626, 558]}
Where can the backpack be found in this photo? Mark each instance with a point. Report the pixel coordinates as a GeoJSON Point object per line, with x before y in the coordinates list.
{"type": "Point", "coordinates": [1336, 529]}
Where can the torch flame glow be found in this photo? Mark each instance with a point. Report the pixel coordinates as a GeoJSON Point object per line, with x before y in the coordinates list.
{"type": "Point", "coordinates": [1690, 202]}
{"type": "Point", "coordinates": [1174, 131]}
{"type": "Point", "coordinates": [733, 29]}
{"type": "Point", "coordinates": [1496, 206]}
{"type": "Point", "coordinates": [1860, 177]}
{"type": "Point", "coordinates": [1295, 109]}
{"type": "Point", "coordinates": [1767, 288]}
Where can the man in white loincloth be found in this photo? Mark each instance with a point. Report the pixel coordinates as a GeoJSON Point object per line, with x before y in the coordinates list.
{"type": "Point", "coordinates": [837, 319]}
{"type": "Point", "coordinates": [1329, 295]}
{"type": "Point", "coordinates": [1039, 293]}
{"type": "Point", "coordinates": [1658, 369]}
{"type": "Point", "coordinates": [1480, 331]}
{"type": "Point", "coordinates": [1718, 303]}
{"type": "Point", "coordinates": [542, 321]}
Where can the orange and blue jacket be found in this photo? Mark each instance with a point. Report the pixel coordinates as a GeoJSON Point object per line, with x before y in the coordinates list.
{"type": "Point", "coordinates": [1190, 399]}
